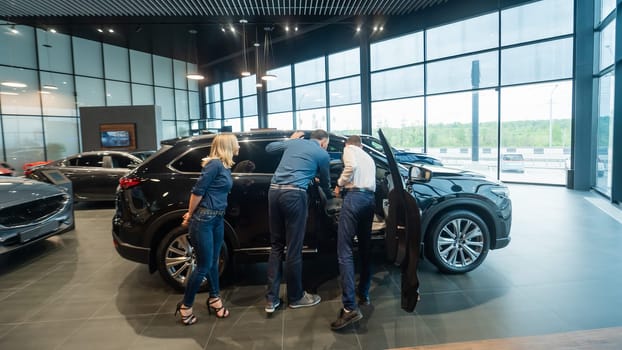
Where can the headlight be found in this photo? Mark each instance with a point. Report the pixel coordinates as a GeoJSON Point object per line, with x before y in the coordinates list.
{"type": "Point", "coordinates": [501, 191]}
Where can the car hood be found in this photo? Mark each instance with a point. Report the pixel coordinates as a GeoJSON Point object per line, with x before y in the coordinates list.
{"type": "Point", "coordinates": [15, 191]}
{"type": "Point", "coordinates": [441, 171]}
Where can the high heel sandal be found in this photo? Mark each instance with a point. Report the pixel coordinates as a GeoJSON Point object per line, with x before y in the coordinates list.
{"type": "Point", "coordinates": [216, 310]}
{"type": "Point", "coordinates": [186, 320]}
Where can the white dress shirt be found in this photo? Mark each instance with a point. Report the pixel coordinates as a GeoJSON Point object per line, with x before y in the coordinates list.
{"type": "Point", "coordinates": [359, 169]}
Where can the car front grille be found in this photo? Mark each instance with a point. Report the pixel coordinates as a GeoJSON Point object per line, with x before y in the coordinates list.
{"type": "Point", "coordinates": [32, 212]}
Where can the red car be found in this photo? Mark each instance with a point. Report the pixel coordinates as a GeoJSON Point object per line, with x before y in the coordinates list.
{"type": "Point", "coordinates": [6, 169]}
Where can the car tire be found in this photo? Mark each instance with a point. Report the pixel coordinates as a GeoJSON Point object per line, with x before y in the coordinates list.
{"type": "Point", "coordinates": [176, 246]}
{"type": "Point", "coordinates": [451, 249]}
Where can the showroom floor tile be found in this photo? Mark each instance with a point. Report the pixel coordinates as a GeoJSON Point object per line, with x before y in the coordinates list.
{"type": "Point", "coordinates": [561, 273]}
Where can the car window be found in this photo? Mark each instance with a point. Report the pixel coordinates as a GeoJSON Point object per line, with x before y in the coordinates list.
{"type": "Point", "coordinates": [94, 160]}
{"type": "Point", "coordinates": [191, 161]}
{"type": "Point", "coordinates": [119, 161]}
{"type": "Point", "coordinates": [253, 158]}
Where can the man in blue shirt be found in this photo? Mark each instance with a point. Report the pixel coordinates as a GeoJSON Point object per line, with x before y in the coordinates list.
{"type": "Point", "coordinates": [302, 161]}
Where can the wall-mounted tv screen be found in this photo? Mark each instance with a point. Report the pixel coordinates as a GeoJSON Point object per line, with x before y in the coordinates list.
{"type": "Point", "coordinates": [115, 138]}
{"type": "Point", "coordinates": [121, 135]}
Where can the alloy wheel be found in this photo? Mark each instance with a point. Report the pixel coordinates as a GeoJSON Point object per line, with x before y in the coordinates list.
{"type": "Point", "coordinates": [460, 243]}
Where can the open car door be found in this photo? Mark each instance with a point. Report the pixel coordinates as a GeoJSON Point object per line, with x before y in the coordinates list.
{"type": "Point", "coordinates": [403, 231]}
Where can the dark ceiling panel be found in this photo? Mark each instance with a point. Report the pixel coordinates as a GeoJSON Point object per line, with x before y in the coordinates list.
{"type": "Point", "coordinates": [33, 8]}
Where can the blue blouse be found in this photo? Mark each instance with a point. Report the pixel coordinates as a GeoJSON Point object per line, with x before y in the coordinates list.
{"type": "Point", "coordinates": [214, 185]}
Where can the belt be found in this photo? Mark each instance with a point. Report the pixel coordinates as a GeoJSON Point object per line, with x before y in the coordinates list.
{"type": "Point", "coordinates": [209, 211]}
{"type": "Point", "coordinates": [286, 187]}
{"type": "Point", "coordinates": [357, 189]}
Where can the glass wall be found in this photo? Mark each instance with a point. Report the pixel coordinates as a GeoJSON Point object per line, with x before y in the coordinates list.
{"type": "Point", "coordinates": [320, 93]}
{"type": "Point", "coordinates": [605, 100]}
{"type": "Point", "coordinates": [46, 77]}
{"type": "Point", "coordinates": [505, 73]}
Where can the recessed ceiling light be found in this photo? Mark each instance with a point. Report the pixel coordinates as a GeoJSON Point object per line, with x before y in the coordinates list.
{"type": "Point", "coordinates": [358, 29]}
{"type": "Point", "coordinates": [375, 29]}
{"type": "Point", "coordinates": [13, 84]}
{"type": "Point", "coordinates": [295, 29]}
{"type": "Point", "coordinates": [286, 28]}
{"type": "Point", "coordinates": [52, 30]}
{"type": "Point", "coordinates": [232, 28]}
{"type": "Point", "coordinates": [110, 30]}
{"type": "Point", "coordinates": [100, 30]}
{"type": "Point", "coordinates": [381, 28]}
{"type": "Point", "coordinates": [223, 29]}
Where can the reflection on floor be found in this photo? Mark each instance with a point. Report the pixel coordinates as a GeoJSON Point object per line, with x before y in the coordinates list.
{"type": "Point", "coordinates": [603, 339]}
{"type": "Point", "coordinates": [560, 274]}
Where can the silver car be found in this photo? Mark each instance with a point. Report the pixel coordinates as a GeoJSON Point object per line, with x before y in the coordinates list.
{"type": "Point", "coordinates": [31, 211]}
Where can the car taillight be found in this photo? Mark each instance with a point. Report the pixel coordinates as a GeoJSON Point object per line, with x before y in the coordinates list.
{"type": "Point", "coordinates": [128, 182]}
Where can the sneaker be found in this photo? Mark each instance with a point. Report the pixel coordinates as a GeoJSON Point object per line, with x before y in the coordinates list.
{"type": "Point", "coordinates": [306, 301]}
{"type": "Point", "coordinates": [272, 306]}
{"type": "Point", "coordinates": [346, 318]}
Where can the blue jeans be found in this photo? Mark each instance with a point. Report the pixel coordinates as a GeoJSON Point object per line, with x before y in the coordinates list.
{"type": "Point", "coordinates": [355, 218]}
{"type": "Point", "coordinates": [206, 236]}
{"type": "Point", "coordinates": [288, 217]}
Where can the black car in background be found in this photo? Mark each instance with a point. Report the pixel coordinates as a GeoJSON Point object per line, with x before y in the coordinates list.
{"type": "Point", "coordinates": [403, 157]}
{"type": "Point", "coordinates": [31, 211]}
{"type": "Point", "coordinates": [463, 213]}
{"type": "Point", "coordinates": [95, 175]}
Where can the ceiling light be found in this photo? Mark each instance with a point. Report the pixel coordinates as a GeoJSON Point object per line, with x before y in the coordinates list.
{"type": "Point", "coordinates": [50, 87]}
{"type": "Point", "coordinates": [44, 92]}
{"type": "Point", "coordinates": [375, 29]}
{"type": "Point", "coordinates": [13, 84]}
{"type": "Point", "coordinates": [8, 93]}
{"type": "Point", "coordinates": [381, 28]}
{"type": "Point", "coordinates": [110, 30]}
{"type": "Point", "coordinates": [267, 54]}
{"type": "Point", "coordinates": [222, 29]}
{"type": "Point", "coordinates": [295, 29]}
{"type": "Point", "coordinates": [14, 30]}
{"type": "Point", "coordinates": [193, 55]}
{"type": "Point", "coordinates": [100, 30]}
{"type": "Point", "coordinates": [286, 28]}
{"type": "Point", "coordinates": [268, 77]}
{"type": "Point", "coordinates": [232, 28]}
{"type": "Point", "coordinates": [195, 76]}
{"type": "Point", "coordinates": [52, 30]}
{"type": "Point", "coordinates": [358, 29]}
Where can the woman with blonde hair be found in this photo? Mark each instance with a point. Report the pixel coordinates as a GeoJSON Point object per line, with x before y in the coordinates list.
{"type": "Point", "coordinates": [204, 219]}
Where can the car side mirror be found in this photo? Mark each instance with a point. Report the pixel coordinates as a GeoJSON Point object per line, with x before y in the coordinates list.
{"type": "Point", "coordinates": [418, 174]}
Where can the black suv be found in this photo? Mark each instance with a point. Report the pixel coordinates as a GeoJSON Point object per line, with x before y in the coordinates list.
{"type": "Point", "coordinates": [463, 214]}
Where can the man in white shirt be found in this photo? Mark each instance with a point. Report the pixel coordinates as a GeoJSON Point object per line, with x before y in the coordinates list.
{"type": "Point", "coordinates": [357, 184]}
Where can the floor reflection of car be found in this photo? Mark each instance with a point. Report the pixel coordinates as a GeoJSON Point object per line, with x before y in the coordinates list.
{"type": "Point", "coordinates": [463, 213]}
{"type": "Point", "coordinates": [95, 175]}
{"type": "Point", "coordinates": [6, 169]}
{"type": "Point", "coordinates": [31, 211]}
{"type": "Point", "coordinates": [513, 162]}
{"type": "Point", "coordinates": [401, 156]}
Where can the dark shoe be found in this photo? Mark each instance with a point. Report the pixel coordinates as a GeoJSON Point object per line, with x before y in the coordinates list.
{"type": "Point", "coordinates": [364, 300]}
{"type": "Point", "coordinates": [346, 318]}
{"type": "Point", "coordinates": [220, 312]}
{"type": "Point", "coordinates": [272, 306]}
{"type": "Point", "coordinates": [306, 301]}
{"type": "Point", "coordinates": [188, 319]}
